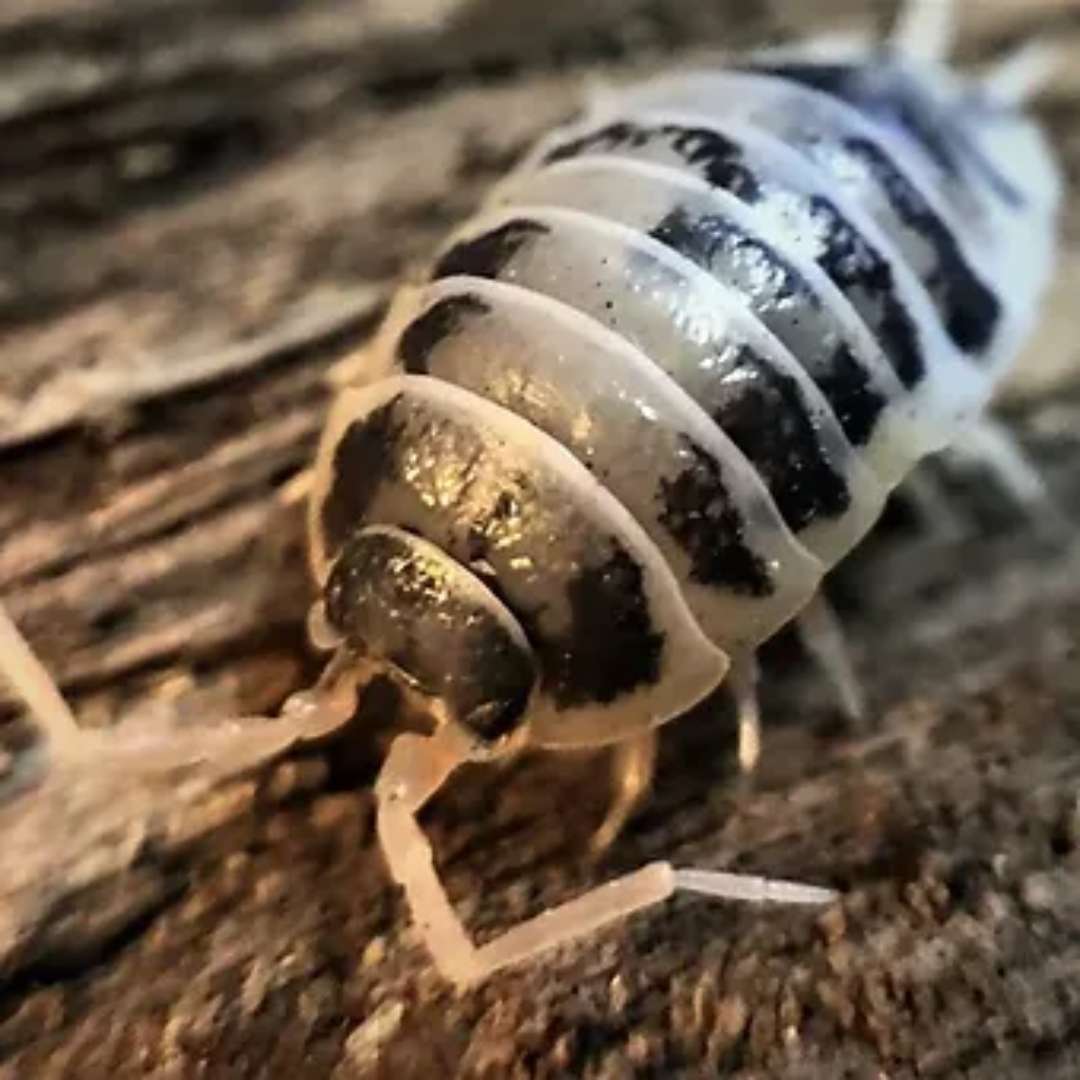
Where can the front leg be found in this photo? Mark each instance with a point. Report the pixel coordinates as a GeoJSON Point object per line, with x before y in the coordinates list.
{"type": "Point", "coordinates": [823, 637]}
{"type": "Point", "coordinates": [743, 680]}
{"type": "Point", "coordinates": [632, 769]}
{"type": "Point", "coordinates": [990, 444]}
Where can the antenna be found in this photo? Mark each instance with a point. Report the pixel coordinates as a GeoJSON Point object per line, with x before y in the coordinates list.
{"type": "Point", "coordinates": [33, 685]}
{"type": "Point", "coordinates": [1022, 73]}
{"type": "Point", "coordinates": [923, 29]}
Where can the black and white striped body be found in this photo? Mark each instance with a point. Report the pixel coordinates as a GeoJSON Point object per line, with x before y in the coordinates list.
{"type": "Point", "coordinates": [665, 380]}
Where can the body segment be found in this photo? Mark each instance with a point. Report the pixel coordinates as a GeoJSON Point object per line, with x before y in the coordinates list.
{"type": "Point", "coordinates": [745, 303]}
{"type": "Point", "coordinates": [638, 407]}
{"type": "Point", "coordinates": [627, 421]}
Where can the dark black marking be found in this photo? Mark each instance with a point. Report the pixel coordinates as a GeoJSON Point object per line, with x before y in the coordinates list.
{"type": "Point", "coordinates": [437, 323]}
{"type": "Point", "coordinates": [390, 601]}
{"type": "Point", "coordinates": [856, 267]}
{"type": "Point", "coordinates": [848, 259]}
{"type": "Point", "coordinates": [971, 310]}
{"type": "Point", "coordinates": [714, 156]}
{"type": "Point", "coordinates": [717, 158]}
{"type": "Point", "coordinates": [611, 646]}
{"type": "Point", "coordinates": [486, 255]}
{"type": "Point", "coordinates": [706, 239]}
{"type": "Point", "coordinates": [699, 512]}
{"type": "Point", "coordinates": [365, 457]}
{"type": "Point", "coordinates": [855, 403]}
{"type": "Point", "coordinates": [767, 418]}
{"type": "Point", "coordinates": [884, 93]}
{"type": "Point", "coordinates": [711, 240]}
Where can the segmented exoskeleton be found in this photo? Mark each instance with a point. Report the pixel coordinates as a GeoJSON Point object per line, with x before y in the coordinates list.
{"type": "Point", "coordinates": [655, 390]}
{"type": "Point", "coordinates": [649, 396]}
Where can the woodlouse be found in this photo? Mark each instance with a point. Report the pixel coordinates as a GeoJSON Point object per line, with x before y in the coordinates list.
{"type": "Point", "coordinates": [647, 399]}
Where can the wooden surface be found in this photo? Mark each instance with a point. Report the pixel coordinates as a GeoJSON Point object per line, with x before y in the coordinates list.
{"type": "Point", "coordinates": [202, 206]}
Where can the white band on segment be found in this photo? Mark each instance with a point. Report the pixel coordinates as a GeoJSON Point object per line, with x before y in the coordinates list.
{"type": "Point", "coordinates": [924, 29]}
{"type": "Point", "coordinates": [753, 889]}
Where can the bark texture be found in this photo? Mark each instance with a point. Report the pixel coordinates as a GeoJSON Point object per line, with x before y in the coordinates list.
{"type": "Point", "coordinates": [202, 206]}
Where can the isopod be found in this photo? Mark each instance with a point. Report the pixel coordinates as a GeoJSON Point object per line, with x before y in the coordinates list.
{"type": "Point", "coordinates": [640, 405]}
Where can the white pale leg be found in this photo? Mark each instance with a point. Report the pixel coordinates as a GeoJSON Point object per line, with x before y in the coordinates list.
{"type": "Point", "coordinates": [350, 370]}
{"type": "Point", "coordinates": [824, 639]}
{"type": "Point", "coordinates": [33, 685]}
{"type": "Point", "coordinates": [743, 680]}
{"type": "Point", "coordinates": [931, 504]}
{"type": "Point", "coordinates": [1023, 73]}
{"type": "Point", "coordinates": [990, 444]}
{"type": "Point", "coordinates": [924, 29]}
{"type": "Point", "coordinates": [415, 769]}
{"type": "Point", "coordinates": [296, 490]}
{"type": "Point", "coordinates": [633, 766]}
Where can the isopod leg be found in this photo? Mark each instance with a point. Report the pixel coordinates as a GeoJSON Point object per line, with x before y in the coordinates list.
{"type": "Point", "coordinates": [33, 685]}
{"type": "Point", "coordinates": [926, 496]}
{"type": "Point", "coordinates": [415, 769]}
{"type": "Point", "coordinates": [924, 29]}
{"type": "Point", "coordinates": [633, 766]}
{"type": "Point", "coordinates": [824, 639]}
{"type": "Point", "coordinates": [991, 445]}
{"type": "Point", "coordinates": [743, 680]}
{"type": "Point", "coordinates": [297, 488]}
{"type": "Point", "coordinates": [1020, 75]}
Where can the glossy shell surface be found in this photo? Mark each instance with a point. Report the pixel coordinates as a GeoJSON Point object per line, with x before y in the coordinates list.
{"type": "Point", "coordinates": [665, 379]}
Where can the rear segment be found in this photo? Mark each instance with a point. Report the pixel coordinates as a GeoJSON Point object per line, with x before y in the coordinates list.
{"type": "Point", "coordinates": [929, 199]}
